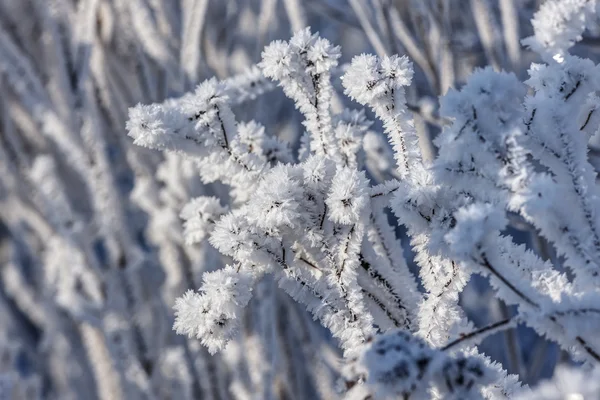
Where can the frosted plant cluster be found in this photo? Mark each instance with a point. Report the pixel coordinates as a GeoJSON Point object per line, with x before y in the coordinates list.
{"type": "Point", "coordinates": [319, 226]}
{"type": "Point", "coordinates": [376, 243]}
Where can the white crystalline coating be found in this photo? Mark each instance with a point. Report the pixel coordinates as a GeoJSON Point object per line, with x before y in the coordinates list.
{"type": "Point", "coordinates": [369, 78]}
{"type": "Point", "coordinates": [362, 80]}
{"type": "Point", "coordinates": [318, 172]}
{"type": "Point", "coordinates": [276, 60]}
{"type": "Point", "coordinates": [279, 201]}
{"type": "Point", "coordinates": [213, 315]}
{"type": "Point", "coordinates": [231, 236]}
{"type": "Point", "coordinates": [303, 40]}
{"type": "Point", "coordinates": [146, 125]}
{"type": "Point", "coordinates": [199, 216]}
{"type": "Point", "coordinates": [398, 69]}
{"type": "Point", "coordinates": [323, 55]}
{"type": "Point", "coordinates": [347, 197]}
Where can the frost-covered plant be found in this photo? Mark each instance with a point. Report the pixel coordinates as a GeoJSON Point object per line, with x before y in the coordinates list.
{"type": "Point", "coordinates": [316, 221]}
{"type": "Point", "coordinates": [99, 237]}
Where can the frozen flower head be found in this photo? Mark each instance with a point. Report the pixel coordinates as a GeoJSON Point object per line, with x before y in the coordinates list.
{"type": "Point", "coordinates": [200, 215]}
{"type": "Point", "coordinates": [398, 69]}
{"type": "Point", "coordinates": [277, 202]}
{"type": "Point", "coordinates": [181, 125]}
{"type": "Point", "coordinates": [213, 316]}
{"type": "Point", "coordinates": [369, 77]}
{"type": "Point", "coordinates": [147, 125]}
{"type": "Point", "coordinates": [323, 55]}
{"type": "Point", "coordinates": [211, 92]}
{"type": "Point", "coordinates": [318, 172]}
{"type": "Point", "coordinates": [202, 107]}
{"type": "Point", "coordinates": [305, 53]}
{"type": "Point", "coordinates": [348, 196]}
{"type": "Point", "coordinates": [228, 288]}
{"type": "Point", "coordinates": [190, 309]}
{"type": "Point", "coordinates": [303, 40]}
{"type": "Point", "coordinates": [231, 235]}
{"type": "Point", "coordinates": [362, 79]}
{"type": "Point", "coordinates": [276, 60]}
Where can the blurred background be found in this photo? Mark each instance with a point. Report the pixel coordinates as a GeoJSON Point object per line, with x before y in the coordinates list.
{"type": "Point", "coordinates": [92, 254]}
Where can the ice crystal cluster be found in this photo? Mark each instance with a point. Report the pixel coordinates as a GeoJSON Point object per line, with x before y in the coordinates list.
{"type": "Point", "coordinates": [425, 225]}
